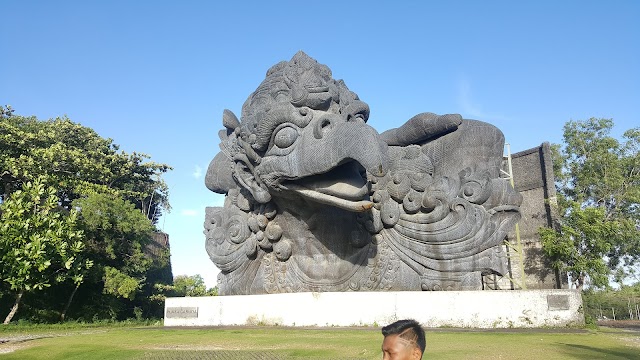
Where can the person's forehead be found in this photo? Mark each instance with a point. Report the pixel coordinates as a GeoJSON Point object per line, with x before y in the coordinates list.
{"type": "Point", "coordinates": [394, 341]}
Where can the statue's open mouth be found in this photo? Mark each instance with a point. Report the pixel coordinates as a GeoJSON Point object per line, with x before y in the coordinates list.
{"type": "Point", "coordinates": [345, 187]}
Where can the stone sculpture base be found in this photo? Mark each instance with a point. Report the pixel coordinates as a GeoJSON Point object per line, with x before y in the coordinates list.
{"type": "Point", "coordinates": [474, 309]}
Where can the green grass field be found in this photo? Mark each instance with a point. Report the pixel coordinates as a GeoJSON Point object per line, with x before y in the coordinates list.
{"type": "Point", "coordinates": [294, 343]}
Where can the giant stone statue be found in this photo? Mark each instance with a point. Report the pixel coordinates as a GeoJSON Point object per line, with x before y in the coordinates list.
{"type": "Point", "coordinates": [317, 200]}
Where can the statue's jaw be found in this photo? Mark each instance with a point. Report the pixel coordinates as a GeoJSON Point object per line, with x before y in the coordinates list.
{"type": "Point", "coordinates": [344, 187]}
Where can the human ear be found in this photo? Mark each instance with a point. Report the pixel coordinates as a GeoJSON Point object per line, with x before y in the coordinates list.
{"type": "Point", "coordinates": [416, 354]}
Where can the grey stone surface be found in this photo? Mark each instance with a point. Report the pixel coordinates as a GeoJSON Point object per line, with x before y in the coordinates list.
{"type": "Point", "coordinates": [558, 302]}
{"type": "Point", "coordinates": [533, 176]}
{"type": "Point", "coordinates": [317, 200]}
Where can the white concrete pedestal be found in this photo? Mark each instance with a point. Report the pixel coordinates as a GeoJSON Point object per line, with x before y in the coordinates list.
{"type": "Point", "coordinates": [475, 309]}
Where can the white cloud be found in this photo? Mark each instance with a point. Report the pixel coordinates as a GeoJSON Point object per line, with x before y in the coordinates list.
{"type": "Point", "coordinates": [468, 107]}
{"type": "Point", "coordinates": [189, 212]}
{"type": "Point", "coordinates": [464, 99]}
{"type": "Point", "coordinates": [197, 173]}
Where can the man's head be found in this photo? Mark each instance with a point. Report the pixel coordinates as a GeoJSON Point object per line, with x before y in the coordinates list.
{"type": "Point", "coordinates": [403, 340]}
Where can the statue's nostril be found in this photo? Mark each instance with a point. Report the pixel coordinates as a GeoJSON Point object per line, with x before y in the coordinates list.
{"type": "Point", "coordinates": [321, 128]}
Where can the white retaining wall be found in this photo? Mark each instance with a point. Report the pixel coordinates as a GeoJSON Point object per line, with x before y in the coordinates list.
{"type": "Point", "coordinates": [476, 309]}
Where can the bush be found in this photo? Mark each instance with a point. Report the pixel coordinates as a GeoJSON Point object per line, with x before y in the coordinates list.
{"type": "Point", "coordinates": [623, 304]}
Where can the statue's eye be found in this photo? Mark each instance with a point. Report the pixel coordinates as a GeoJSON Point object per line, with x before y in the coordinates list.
{"type": "Point", "coordinates": [285, 137]}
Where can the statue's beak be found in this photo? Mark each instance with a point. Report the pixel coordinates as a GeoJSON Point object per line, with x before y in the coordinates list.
{"type": "Point", "coordinates": [330, 169]}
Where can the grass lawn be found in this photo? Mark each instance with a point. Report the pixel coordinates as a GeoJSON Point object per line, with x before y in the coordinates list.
{"type": "Point", "coordinates": [291, 343]}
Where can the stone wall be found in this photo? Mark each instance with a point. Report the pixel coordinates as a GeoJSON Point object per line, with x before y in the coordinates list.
{"type": "Point", "coordinates": [158, 250]}
{"type": "Point", "coordinates": [473, 309]}
{"type": "Point", "coordinates": [533, 178]}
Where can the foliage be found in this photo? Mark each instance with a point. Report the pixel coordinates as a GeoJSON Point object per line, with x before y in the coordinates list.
{"type": "Point", "coordinates": [185, 285]}
{"type": "Point", "coordinates": [586, 244]}
{"type": "Point", "coordinates": [118, 237]}
{"type": "Point", "coordinates": [115, 232]}
{"type": "Point", "coordinates": [114, 197]}
{"type": "Point", "coordinates": [598, 187]}
{"type": "Point", "coordinates": [621, 304]}
{"type": "Point", "coordinates": [77, 162]}
{"type": "Point", "coordinates": [6, 111]}
{"type": "Point", "coordinates": [212, 291]}
{"type": "Point", "coordinates": [39, 243]}
{"type": "Point", "coordinates": [120, 284]}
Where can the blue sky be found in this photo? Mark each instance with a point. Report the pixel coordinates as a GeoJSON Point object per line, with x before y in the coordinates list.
{"type": "Point", "coordinates": [155, 76]}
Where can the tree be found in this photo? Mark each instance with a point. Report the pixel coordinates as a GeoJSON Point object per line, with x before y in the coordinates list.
{"type": "Point", "coordinates": [116, 234]}
{"type": "Point", "coordinates": [6, 111]}
{"type": "Point", "coordinates": [120, 284]}
{"type": "Point", "coordinates": [77, 275]}
{"type": "Point", "coordinates": [185, 285]}
{"type": "Point", "coordinates": [120, 196]}
{"type": "Point", "coordinates": [39, 243]}
{"type": "Point", "coordinates": [77, 162]}
{"type": "Point", "coordinates": [598, 187]}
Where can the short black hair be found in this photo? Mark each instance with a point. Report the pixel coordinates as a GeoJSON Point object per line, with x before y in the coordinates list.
{"type": "Point", "coordinates": [408, 329]}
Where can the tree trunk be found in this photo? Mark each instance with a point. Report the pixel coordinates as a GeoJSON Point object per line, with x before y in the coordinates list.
{"type": "Point", "coordinates": [14, 309]}
{"type": "Point", "coordinates": [66, 307]}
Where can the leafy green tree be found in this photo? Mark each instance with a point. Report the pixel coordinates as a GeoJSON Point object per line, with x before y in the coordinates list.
{"type": "Point", "coordinates": [185, 285]}
{"type": "Point", "coordinates": [212, 291]}
{"type": "Point", "coordinates": [120, 196]}
{"type": "Point", "coordinates": [39, 243]}
{"type": "Point", "coordinates": [77, 275]}
{"type": "Point", "coordinates": [120, 284]}
{"type": "Point", "coordinates": [6, 111]}
{"type": "Point", "coordinates": [598, 187]}
{"type": "Point", "coordinates": [609, 303]}
{"type": "Point", "coordinates": [116, 234]}
{"type": "Point", "coordinates": [77, 162]}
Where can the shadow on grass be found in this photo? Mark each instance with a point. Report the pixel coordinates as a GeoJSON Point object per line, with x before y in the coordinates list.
{"type": "Point", "coordinates": [589, 352]}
